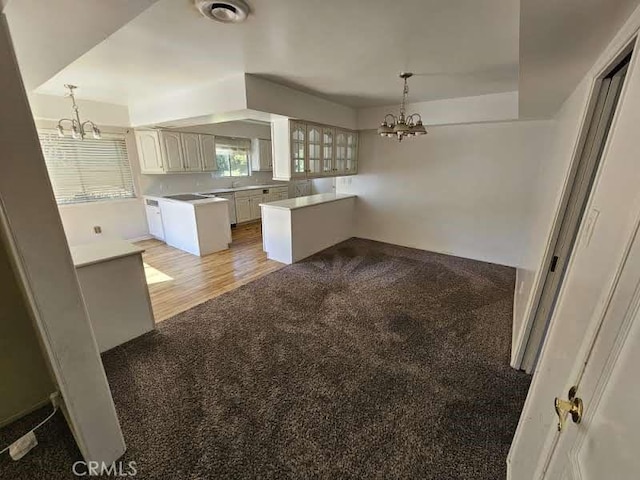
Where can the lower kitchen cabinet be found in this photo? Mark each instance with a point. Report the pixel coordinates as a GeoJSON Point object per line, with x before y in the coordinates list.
{"type": "Point", "coordinates": [243, 209]}
{"type": "Point", "coordinates": [154, 218]}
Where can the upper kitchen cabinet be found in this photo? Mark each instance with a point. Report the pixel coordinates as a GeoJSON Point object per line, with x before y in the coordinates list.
{"type": "Point", "coordinates": [208, 151]}
{"type": "Point", "coordinates": [172, 151]}
{"type": "Point", "coordinates": [148, 142]}
{"type": "Point", "coordinates": [166, 151]}
{"type": "Point", "coordinates": [308, 150]}
{"type": "Point", "coordinates": [192, 153]}
{"type": "Point", "coordinates": [261, 155]}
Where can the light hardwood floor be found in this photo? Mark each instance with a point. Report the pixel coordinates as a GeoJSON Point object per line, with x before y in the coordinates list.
{"type": "Point", "coordinates": [178, 280]}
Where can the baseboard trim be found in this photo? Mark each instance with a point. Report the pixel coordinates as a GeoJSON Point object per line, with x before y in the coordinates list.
{"type": "Point", "coordinates": [24, 413]}
{"type": "Point", "coordinates": [140, 239]}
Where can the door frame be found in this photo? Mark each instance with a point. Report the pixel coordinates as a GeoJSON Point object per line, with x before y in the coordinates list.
{"type": "Point", "coordinates": [611, 58]}
{"type": "Point", "coordinates": [531, 449]}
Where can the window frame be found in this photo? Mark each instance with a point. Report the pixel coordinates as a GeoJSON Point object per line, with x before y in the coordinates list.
{"type": "Point", "coordinates": [224, 142]}
{"type": "Point", "coordinates": [123, 135]}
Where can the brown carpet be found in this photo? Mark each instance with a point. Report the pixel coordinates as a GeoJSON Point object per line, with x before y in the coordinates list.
{"type": "Point", "coordinates": [364, 361]}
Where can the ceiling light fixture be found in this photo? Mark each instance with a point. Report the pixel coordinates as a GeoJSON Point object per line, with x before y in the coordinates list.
{"type": "Point", "coordinates": [226, 11]}
{"type": "Point", "coordinates": [402, 126]}
{"type": "Point", "coordinates": [78, 128]}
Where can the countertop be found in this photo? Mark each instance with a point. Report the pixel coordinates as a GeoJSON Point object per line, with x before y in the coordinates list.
{"type": "Point", "coordinates": [248, 187]}
{"type": "Point", "coordinates": [204, 200]}
{"type": "Point", "coordinates": [308, 201]}
{"type": "Point", "coordinates": [92, 253]}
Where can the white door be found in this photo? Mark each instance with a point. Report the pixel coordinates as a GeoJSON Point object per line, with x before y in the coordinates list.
{"type": "Point", "coordinates": [171, 145]}
{"type": "Point", "coordinates": [593, 332]}
{"type": "Point", "coordinates": [243, 209]}
{"type": "Point", "coordinates": [604, 445]}
{"type": "Point", "coordinates": [149, 153]}
{"type": "Point", "coordinates": [191, 152]}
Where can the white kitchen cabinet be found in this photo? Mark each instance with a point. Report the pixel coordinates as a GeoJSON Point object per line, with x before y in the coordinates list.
{"type": "Point", "coordinates": [208, 151]}
{"type": "Point", "coordinates": [243, 209]}
{"type": "Point", "coordinates": [192, 155]}
{"type": "Point", "coordinates": [328, 150]}
{"type": "Point", "coordinates": [304, 150]}
{"type": "Point", "coordinates": [232, 206]}
{"type": "Point", "coordinates": [261, 155]}
{"type": "Point", "coordinates": [154, 218]}
{"type": "Point", "coordinates": [166, 151]}
{"type": "Point", "coordinates": [298, 150]}
{"type": "Point", "coordinates": [314, 150]}
{"type": "Point", "coordinates": [255, 200]}
{"type": "Point", "coordinates": [149, 154]}
{"type": "Point", "coordinates": [172, 151]}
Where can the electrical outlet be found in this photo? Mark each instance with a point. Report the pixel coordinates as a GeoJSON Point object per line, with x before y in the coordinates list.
{"type": "Point", "coordinates": [97, 229]}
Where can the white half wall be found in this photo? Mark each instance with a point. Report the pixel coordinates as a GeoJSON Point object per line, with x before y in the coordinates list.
{"type": "Point", "coordinates": [461, 190]}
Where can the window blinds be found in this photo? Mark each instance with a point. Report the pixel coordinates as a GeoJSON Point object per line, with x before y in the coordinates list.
{"type": "Point", "coordinates": [87, 170]}
{"type": "Point", "coordinates": [233, 143]}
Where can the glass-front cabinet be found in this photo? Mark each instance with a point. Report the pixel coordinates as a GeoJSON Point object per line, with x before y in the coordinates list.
{"type": "Point", "coordinates": [298, 149]}
{"type": "Point", "coordinates": [328, 150]}
{"type": "Point", "coordinates": [313, 150]}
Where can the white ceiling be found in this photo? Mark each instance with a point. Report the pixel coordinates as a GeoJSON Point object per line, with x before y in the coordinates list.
{"type": "Point", "coordinates": [349, 51]}
{"type": "Point", "coordinates": [559, 42]}
{"type": "Point", "coordinates": [49, 37]}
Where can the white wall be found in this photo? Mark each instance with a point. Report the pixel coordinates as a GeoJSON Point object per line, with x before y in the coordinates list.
{"type": "Point", "coordinates": [460, 190]}
{"type": "Point", "coordinates": [123, 219]}
{"type": "Point", "coordinates": [495, 107]}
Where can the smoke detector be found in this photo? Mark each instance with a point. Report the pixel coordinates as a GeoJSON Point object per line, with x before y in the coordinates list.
{"type": "Point", "coordinates": [226, 11]}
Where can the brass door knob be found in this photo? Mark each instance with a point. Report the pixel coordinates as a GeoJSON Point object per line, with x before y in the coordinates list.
{"type": "Point", "coordinates": [573, 407]}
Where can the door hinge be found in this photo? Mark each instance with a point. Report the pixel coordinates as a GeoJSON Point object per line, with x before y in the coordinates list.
{"type": "Point", "coordinates": [554, 262]}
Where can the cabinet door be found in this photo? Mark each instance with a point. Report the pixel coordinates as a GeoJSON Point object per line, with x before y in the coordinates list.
{"type": "Point", "coordinates": [256, 200]}
{"type": "Point", "coordinates": [351, 157]}
{"type": "Point", "coordinates": [191, 152]}
{"type": "Point", "coordinates": [154, 221]}
{"type": "Point", "coordinates": [208, 151]}
{"type": "Point", "coordinates": [314, 150]}
{"type": "Point", "coordinates": [243, 209]}
{"type": "Point", "coordinates": [298, 149]}
{"type": "Point", "coordinates": [171, 146]}
{"type": "Point", "coordinates": [341, 153]}
{"type": "Point", "coordinates": [149, 153]}
{"type": "Point", "coordinates": [328, 150]}
{"type": "Point", "coordinates": [266, 157]}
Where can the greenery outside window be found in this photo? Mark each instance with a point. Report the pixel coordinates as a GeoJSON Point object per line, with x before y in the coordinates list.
{"type": "Point", "coordinates": [233, 157]}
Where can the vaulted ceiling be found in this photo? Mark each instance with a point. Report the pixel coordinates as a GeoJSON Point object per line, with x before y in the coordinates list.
{"type": "Point", "coordinates": [347, 51]}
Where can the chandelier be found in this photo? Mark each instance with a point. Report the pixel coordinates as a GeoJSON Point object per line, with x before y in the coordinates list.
{"type": "Point", "coordinates": [78, 128]}
{"type": "Point", "coordinates": [402, 126]}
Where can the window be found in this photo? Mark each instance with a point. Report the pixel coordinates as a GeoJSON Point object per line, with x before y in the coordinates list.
{"type": "Point", "coordinates": [232, 156]}
{"type": "Point", "coordinates": [87, 170]}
